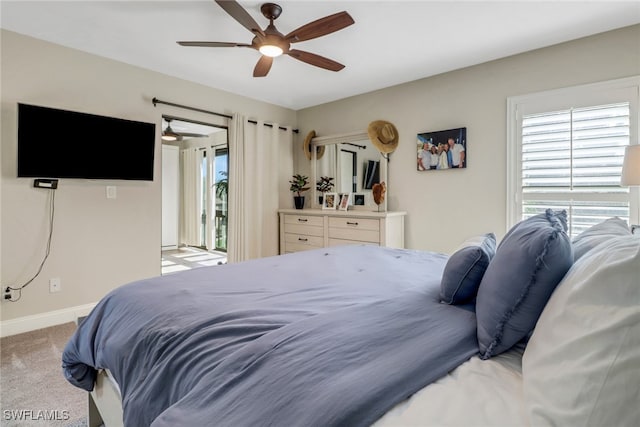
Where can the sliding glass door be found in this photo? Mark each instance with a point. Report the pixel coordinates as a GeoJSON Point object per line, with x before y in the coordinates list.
{"type": "Point", "coordinates": [200, 193]}
{"type": "Point", "coordinates": [214, 181]}
{"type": "Point", "coordinates": [221, 173]}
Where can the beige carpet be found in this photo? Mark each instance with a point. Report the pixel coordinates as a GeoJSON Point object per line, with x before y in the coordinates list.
{"type": "Point", "coordinates": [32, 383]}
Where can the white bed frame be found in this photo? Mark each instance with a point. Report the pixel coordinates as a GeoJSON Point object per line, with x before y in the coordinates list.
{"type": "Point", "coordinates": [105, 403]}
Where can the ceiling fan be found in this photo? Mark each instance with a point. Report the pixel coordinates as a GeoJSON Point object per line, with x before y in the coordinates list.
{"type": "Point", "coordinates": [271, 43]}
{"type": "Point", "coordinates": [169, 134]}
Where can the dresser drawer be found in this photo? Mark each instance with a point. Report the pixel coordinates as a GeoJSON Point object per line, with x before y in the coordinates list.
{"type": "Point", "coordinates": [341, 242]}
{"type": "Point", "coordinates": [306, 230]}
{"type": "Point", "coordinates": [301, 230]}
{"type": "Point", "coordinates": [355, 234]}
{"type": "Point", "coordinates": [355, 223]}
{"type": "Point", "coordinates": [302, 239]}
{"type": "Point", "coordinates": [299, 242]}
{"type": "Point", "coordinates": [303, 220]}
{"type": "Point", "coordinates": [294, 247]}
{"type": "Point", "coordinates": [358, 229]}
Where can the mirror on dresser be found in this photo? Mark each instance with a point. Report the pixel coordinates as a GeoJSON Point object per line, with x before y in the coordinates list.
{"type": "Point", "coordinates": [354, 163]}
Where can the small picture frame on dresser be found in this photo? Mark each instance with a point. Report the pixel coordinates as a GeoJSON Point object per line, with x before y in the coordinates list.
{"type": "Point", "coordinates": [344, 201]}
{"type": "Point", "coordinates": [330, 201]}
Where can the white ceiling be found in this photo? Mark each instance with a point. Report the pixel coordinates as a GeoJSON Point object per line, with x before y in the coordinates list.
{"type": "Point", "coordinates": [390, 43]}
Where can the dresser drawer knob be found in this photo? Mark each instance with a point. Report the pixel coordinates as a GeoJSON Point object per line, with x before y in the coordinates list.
{"type": "Point", "coordinates": [302, 219]}
{"type": "Point", "coordinates": [352, 223]}
{"type": "Point", "coordinates": [302, 239]}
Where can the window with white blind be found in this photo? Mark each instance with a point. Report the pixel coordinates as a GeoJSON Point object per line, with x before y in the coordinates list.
{"type": "Point", "coordinates": [570, 157]}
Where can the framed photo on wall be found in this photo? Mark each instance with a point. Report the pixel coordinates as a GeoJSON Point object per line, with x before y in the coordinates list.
{"type": "Point", "coordinates": [443, 149]}
{"type": "Point", "coordinates": [330, 201]}
{"type": "Point", "coordinates": [344, 201]}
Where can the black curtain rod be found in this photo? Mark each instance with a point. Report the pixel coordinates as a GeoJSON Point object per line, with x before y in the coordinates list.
{"type": "Point", "coordinates": [186, 107]}
{"type": "Point", "coordinates": [362, 147]}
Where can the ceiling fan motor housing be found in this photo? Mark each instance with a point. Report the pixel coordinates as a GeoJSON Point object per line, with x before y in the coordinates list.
{"type": "Point", "coordinates": [271, 11]}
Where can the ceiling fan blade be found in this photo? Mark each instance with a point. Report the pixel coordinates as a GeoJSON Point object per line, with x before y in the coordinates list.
{"type": "Point", "coordinates": [263, 66]}
{"type": "Point", "coordinates": [213, 44]}
{"type": "Point", "coordinates": [177, 135]}
{"type": "Point", "coordinates": [320, 27]}
{"type": "Point", "coordinates": [192, 135]}
{"type": "Point", "coordinates": [317, 60]}
{"type": "Point", "coordinates": [238, 13]}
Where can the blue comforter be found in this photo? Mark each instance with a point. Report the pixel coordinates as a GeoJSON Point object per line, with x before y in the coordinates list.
{"type": "Point", "coordinates": [328, 337]}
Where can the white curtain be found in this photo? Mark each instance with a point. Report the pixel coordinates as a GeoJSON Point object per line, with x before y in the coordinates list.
{"type": "Point", "coordinates": [327, 163]}
{"type": "Point", "coordinates": [190, 206]}
{"type": "Point", "coordinates": [259, 158]}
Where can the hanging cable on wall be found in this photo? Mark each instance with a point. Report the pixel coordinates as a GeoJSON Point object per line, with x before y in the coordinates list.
{"type": "Point", "coordinates": [8, 296]}
{"type": "Point", "coordinates": [156, 101]}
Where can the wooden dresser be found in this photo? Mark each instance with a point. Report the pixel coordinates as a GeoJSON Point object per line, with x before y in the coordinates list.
{"type": "Point", "coordinates": [303, 229]}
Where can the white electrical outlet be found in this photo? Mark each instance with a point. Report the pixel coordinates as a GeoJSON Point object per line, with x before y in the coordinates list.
{"type": "Point", "coordinates": [111, 192]}
{"type": "Point", "coordinates": [55, 285]}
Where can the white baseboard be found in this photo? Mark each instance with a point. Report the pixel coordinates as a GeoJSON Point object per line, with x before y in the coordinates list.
{"type": "Point", "coordinates": [43, 320]}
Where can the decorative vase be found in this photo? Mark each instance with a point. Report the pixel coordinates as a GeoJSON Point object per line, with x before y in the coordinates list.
{"type": "Point", "coordinates": [320, 198]}
{"type": "Point", "coordinates": [379, 190]}
{"type": "Point", "coordinates": [298, 201]}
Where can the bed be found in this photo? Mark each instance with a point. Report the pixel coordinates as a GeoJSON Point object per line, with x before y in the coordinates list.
{"type": "Point", "coordinates": [364, 335]}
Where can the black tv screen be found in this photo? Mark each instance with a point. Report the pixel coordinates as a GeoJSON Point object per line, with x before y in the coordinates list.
{"type": "Point", "coordinates": [55, 143]}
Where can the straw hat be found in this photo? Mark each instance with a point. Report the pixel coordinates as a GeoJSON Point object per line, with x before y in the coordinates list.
{"type": "Point", "coordinates": [307, 146]}
{"type": "Point", "coordinates": [383, 135]}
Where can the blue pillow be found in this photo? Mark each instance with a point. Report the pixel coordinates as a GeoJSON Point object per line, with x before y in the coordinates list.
{"type": "Point", "coordinates": [465, 268]}
{"type": "Point", "coordinates": [529, 263]}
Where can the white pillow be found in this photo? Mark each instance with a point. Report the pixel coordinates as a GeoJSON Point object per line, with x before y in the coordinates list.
{"type": "Point", "coordinates": [601, 232]}
{"type": "Point", "coordinates": [582, 364]}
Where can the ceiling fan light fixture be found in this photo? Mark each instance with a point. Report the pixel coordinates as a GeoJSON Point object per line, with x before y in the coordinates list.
{"type": "Point", "coordinates": [168, 134]}
{"type": "Point", "coordinates": [271, 50]}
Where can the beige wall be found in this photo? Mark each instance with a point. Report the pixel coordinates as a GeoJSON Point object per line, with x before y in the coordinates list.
{"type": "Point", "coordinates": [445, 207]}
{"type": "Point", "coordinates": [98, 243]}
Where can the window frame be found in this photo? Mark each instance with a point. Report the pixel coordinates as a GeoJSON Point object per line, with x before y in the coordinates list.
{"type": "Point", "coordinates": [607, 92]}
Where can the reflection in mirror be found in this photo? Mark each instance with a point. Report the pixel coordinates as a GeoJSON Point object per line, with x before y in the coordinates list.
{"type": "Point", "coordinates": [354, 163]}
{"type": "Point", "coordinates": [348, 165]}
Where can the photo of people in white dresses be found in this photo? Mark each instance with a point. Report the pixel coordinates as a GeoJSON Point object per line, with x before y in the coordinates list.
{"type": "Point", "coordinates": [444, 149]}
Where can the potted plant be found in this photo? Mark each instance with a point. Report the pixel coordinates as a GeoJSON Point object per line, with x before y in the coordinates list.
{"type": "Point", "coordinates": [298, 185]}
{"type": "Point", "coordinates": [324, 185]}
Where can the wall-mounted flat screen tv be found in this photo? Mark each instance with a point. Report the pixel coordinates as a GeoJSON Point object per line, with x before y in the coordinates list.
{"type": "Point", "coordinates": [54, 143]}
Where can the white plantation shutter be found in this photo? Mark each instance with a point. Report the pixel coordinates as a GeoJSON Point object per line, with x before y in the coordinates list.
{"type": "Point", "coordinates": [572, 159]}
{"type": "Point", "coordinates": [565, 151]}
